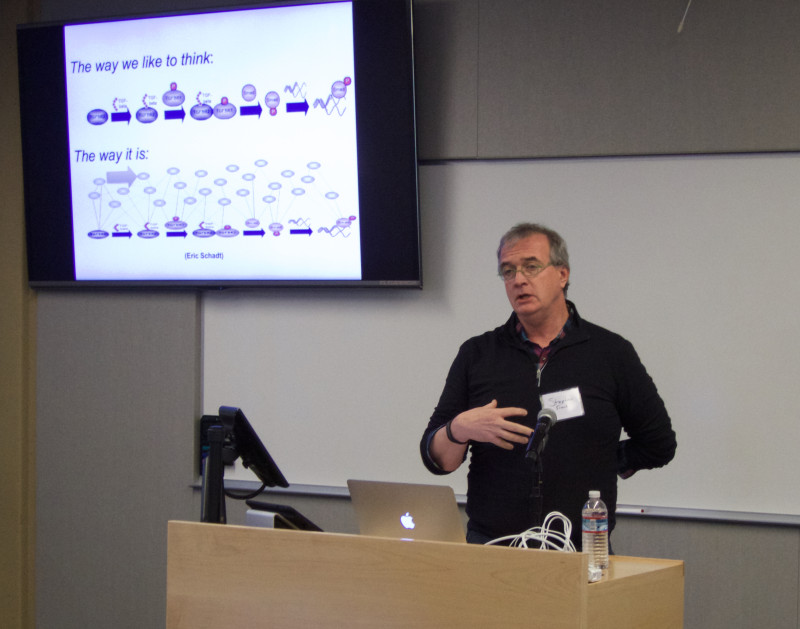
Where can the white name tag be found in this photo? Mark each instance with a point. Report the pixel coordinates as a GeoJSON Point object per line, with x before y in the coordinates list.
{"type": "Point", "coordinates": [567, 404]}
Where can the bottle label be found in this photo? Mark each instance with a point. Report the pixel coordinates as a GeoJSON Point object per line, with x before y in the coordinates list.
{"type": "Point", "coordinates": [595, 524]}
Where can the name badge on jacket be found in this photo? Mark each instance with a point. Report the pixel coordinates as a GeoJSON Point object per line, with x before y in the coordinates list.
{"type": "Point", "coordinates": [567, 404]}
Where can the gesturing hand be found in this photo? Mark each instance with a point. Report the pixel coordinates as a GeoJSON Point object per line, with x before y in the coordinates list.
{"type": "Point", "coordinates": [490, 425]}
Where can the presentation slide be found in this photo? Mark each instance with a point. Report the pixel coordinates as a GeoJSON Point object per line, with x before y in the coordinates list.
{"type": "Point", "coordinates": [219, 146]}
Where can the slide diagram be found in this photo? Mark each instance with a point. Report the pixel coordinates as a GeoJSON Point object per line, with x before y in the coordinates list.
{"type": "Point", "coordinates": [201, 204]}
{"type": "Point", "coordinates": [228, 137]}
{"type": "Point", "coordinates": [332, 103]}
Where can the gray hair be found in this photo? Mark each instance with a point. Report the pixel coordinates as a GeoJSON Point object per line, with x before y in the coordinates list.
{"type": "Point", "coordinates": [558, 247]}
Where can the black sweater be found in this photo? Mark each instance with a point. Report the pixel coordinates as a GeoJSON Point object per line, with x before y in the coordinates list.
{"type": "Point", "coordinates": [582, 453]}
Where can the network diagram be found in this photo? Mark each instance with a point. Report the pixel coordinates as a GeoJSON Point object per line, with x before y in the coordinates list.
{"type": "Point", "coordinates": [247, 202]}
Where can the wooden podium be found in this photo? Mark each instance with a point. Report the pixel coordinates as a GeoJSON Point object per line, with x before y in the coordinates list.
{"type": "Point", "coordinates": [221, 576]}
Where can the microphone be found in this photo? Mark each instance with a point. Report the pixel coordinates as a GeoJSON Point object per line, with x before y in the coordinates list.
{"type": "Point", "coordinates": [545, 420]}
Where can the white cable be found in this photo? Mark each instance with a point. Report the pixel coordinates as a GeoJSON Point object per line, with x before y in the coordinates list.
{"type": "Point", "coordinates": [543, 537]}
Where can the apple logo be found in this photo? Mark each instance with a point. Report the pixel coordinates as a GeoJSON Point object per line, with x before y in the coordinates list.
{"type": "Point", "coordinates": [407, 520]}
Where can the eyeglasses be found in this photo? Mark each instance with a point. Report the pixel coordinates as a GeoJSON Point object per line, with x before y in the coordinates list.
{"type": "Point", "coordinates": [530, 270]}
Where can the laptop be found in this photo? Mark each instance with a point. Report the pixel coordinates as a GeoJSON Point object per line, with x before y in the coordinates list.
{"type": "Point", "coordinates": [407, 510]}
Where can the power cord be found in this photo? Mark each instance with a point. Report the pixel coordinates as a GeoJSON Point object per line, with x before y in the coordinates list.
{"type": "Point", "coordinates": [543, 537]}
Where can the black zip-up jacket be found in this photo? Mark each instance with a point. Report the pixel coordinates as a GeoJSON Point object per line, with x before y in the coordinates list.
{"type": "Point", "coordinates": [582, 453]}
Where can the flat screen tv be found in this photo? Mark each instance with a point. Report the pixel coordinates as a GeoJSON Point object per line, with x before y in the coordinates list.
{"type": "Point", "coordinates": [263, 145]}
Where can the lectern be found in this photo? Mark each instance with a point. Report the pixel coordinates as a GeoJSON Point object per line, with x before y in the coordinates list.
{"type": "Point", "coordinates": [230, 576]}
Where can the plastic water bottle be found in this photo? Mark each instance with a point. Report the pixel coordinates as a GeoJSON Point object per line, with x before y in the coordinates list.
{"type": "Point", "coordinates": [595, 533]}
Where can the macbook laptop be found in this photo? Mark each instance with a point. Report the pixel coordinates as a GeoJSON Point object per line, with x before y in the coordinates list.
{"type": "Point", "coordinates": [407, 511]}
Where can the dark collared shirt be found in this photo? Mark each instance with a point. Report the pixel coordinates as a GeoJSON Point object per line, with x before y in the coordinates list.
{"type": "Point", "coordinates": [542, 353]}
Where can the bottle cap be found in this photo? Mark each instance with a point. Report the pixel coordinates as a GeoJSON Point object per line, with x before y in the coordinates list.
{"type": "Point", "coordinates": [594, 493]}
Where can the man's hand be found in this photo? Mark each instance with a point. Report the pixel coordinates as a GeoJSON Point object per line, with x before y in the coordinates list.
{"type": "Point", "coordinates": [484, 423]}
{"type": "Point", "coordinates": [490, 424]}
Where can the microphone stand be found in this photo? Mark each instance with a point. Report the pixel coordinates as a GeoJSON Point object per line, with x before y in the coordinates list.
{"type": "Point", "coordinates": [536, 495]}
{"type": "Point", "coordinates": [545, 420]}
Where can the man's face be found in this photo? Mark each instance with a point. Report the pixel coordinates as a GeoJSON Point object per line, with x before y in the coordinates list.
{"type": "Point", "coordinates": [536, 298]}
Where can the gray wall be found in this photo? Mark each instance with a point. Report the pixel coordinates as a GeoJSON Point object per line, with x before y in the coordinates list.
{"type": "Point", "coordinates": [119, 382]}
{"type": "Point", "coordinates": [545, 78]}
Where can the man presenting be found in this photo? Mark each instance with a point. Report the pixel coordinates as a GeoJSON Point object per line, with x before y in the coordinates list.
{"type": "Point", "coordinates": [544, 356]}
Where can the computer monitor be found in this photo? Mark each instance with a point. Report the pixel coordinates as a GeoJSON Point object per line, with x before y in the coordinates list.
{"type": "Point", "coordinates": [230, 438]}
{"type": "Point", "coordinates": [249, 447]}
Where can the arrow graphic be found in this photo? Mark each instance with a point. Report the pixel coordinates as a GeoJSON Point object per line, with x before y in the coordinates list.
{"type": "Point", "coordinates": [295, 107]}
{"type": "Point", "coordinates": [251, 110]}
{"type": "Point", "coordinates": [175, 114]}
{"type": "Point", "coordinates": [121, 176]}
{"type": "Point", "coordinates": [121, 116]}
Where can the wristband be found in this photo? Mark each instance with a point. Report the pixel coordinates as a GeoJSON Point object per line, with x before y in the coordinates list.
{"type": "Point", "coordinates": [450, 434]}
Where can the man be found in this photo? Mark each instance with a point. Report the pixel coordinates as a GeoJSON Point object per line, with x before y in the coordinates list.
{"type": "Point", "coordinates": [544, 356]}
